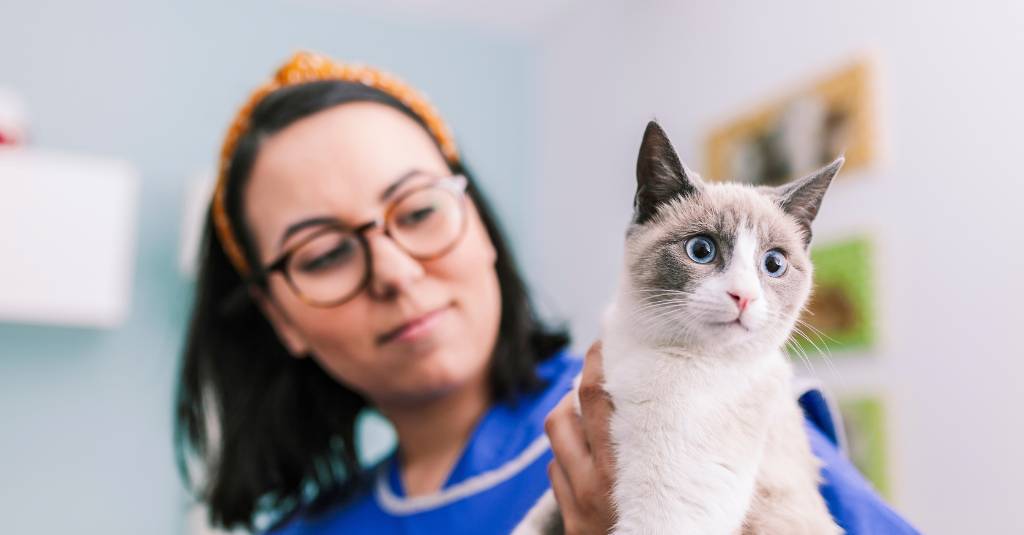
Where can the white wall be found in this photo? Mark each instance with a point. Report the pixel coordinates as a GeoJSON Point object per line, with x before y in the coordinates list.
{"type": "Point", "coordinates": [943, 204]}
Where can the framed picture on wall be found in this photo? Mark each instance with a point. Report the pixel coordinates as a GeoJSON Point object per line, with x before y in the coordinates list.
{"type": "Point", "coordinates": [790, 136]}
{"type": "Point", "coordinates": [864, 426]}
{"type": "Point", "coordinates": [840, 315]}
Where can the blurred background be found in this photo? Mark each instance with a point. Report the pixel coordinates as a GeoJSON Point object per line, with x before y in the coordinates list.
{"type": "Point", "coordinates": [111, 114]}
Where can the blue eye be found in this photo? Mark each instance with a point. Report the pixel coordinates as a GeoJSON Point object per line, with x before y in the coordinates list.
{"type": "Point", "coordinates": [701, 249]}
{"type": "Point", "coordinates": [774, 263]}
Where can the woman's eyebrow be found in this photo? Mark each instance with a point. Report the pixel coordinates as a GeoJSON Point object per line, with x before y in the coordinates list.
{"type": "Point", "coordinates": [304, 224]}
{"type": "Point", "coordinates": [393, 187]}
{"type": "Point", "coordinates": [323, 220]}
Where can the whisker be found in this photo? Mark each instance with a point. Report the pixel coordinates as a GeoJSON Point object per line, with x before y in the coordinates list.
{"type": "Point", "coordinates": [802, 355]}
{"type": "Point", "coordinates": [827, 353]}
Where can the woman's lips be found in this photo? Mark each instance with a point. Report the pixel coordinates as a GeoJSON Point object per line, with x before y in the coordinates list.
{"type": "Point", "coordinates": [415, 328]}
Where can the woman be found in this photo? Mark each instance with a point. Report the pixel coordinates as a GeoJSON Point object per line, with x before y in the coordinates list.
{"type": "Point", "coordinates": [351, 263]}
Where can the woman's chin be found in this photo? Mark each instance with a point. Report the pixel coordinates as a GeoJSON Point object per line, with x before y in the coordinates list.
{"type": "Point", "coordinates": [438, 374]}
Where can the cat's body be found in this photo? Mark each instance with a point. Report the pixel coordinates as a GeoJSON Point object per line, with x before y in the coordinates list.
{"type": "Point", "coordinates": [708, 438]}
{"type": "Point", "coordinates": [707, 449]}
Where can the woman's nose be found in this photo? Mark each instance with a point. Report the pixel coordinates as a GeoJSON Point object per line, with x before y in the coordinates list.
{"type": "Point", "coordinates": [392, 269]}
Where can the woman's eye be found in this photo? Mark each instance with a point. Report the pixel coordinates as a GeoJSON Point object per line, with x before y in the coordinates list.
{"type": "Point", "coordinates": [417, 216]}
{"type": "Point", "coordinates": [335, 257]}
{"type": "Point", "coordinates": [700, 249]}
{"type": "Point", "coordinates": [774, 263]}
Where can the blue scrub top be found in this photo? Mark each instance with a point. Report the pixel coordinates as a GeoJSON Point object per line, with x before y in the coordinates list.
{"type": "Point", "coordinates": [503, 471]}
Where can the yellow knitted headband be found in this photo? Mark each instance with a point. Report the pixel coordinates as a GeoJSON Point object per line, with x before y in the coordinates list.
{"type": "Point", "coordinates": [302, 68]}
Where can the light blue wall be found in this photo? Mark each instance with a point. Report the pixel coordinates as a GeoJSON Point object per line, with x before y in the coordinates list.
{"type": "Point", "coordinates": [86, 414]}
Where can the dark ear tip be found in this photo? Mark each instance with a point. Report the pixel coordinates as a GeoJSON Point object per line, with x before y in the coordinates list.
{"type": "Point", "coordinates": [653, 128]}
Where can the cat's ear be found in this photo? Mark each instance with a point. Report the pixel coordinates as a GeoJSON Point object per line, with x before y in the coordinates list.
{"type": "Point", "coordinates": [660, 176]}
{"type": "Point", "coordinates": [802, 198]}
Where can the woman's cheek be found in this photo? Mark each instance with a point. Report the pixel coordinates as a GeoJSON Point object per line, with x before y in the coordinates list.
{"type": "Point", "coordinates": [479, 292]}
{"type": "Point", "coordinates": [343, 344]}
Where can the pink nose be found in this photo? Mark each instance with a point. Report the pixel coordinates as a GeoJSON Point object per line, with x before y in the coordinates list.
{"type": "Point", "coordinates": [741, 300]}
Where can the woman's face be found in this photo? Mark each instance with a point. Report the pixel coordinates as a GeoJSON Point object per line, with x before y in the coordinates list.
{"type": "Point", "coordinates": [423, 327]}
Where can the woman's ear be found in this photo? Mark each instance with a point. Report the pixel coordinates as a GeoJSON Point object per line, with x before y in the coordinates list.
{"type": "Point", "coordinates": [289, 335]}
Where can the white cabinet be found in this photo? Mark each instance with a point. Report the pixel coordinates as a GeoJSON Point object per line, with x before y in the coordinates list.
{"type": "Point", "coordinates": [68, 225]}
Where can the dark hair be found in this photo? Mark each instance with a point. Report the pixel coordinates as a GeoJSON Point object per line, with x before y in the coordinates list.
{"type": "Point", "coordinates": [274, 433]}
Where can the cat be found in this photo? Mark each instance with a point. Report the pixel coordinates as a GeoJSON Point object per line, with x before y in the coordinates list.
{"type": "Point", "coordinates": [708, 438]}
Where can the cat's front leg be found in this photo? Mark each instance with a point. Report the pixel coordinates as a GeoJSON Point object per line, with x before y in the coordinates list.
{"type": "Point", "coordinates": [663, 515]}
{"type": "Point", "coordinates": [787, 499]}
{"type": "Point", "coordinates": [687, 494]}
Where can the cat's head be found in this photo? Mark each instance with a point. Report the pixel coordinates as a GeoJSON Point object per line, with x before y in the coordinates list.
{"type": "Point", "coordinates": [717, 268]}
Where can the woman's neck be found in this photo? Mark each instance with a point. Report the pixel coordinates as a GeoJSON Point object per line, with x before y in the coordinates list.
{"type": "Point", "coordinates": [433, 434]}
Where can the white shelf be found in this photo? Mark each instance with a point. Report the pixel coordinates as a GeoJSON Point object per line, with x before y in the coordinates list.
{"type": "Point", "coordinates": [68, 225]}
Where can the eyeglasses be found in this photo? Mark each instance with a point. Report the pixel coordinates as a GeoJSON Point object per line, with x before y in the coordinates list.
{"type": "Point", "coordinates": [333, 264]}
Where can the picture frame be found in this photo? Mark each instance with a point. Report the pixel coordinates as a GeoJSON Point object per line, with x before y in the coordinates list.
{"type": "Point", "coordinates": [792, 135]}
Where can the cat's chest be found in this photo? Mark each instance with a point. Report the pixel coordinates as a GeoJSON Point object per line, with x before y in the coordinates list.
{"type": "Point", "coordinates": [658, 393]}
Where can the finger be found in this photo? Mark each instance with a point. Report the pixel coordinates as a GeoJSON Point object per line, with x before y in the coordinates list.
{"type": "Point", "coordinates": [596, 408]}
{"type": "Point", "coordinates": [565, 432]}
{"type": "Point", "coordinates": [563, 495]}
{"type": "Point", "coordinates": [593, 365]}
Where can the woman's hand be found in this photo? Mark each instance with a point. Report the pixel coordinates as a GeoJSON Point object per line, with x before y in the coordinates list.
{"type": "Point", "coordinates": [582, 472]}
